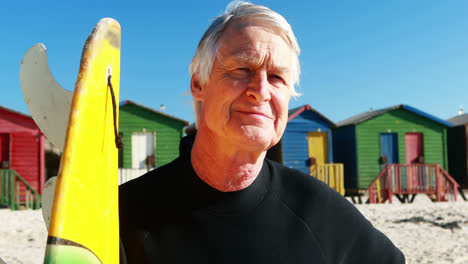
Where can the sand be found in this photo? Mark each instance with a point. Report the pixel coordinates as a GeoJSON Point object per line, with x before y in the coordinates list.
{"type": "Point", "coordinates": [23, 236]}
{"type": "Point", "coordinates": [426, 232]}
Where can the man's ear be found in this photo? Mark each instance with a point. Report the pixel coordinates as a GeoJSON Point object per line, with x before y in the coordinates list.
{"type": "Point", "coordinates": [196, 88]}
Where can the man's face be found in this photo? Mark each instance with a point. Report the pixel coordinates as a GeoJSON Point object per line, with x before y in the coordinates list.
{"type": "Point", "coordinates": [245, 101]}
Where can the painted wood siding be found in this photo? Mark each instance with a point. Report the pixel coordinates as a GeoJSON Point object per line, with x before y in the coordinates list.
{"type": "Point", "coordinates": [294, 142]}
{"type": "Point", "coordinates": [399, 121]}
{"type": "Point", "coordinates": [344, 151]}
{"type": "Point", "coordinates": [26, 150]}
{"type": "Point", "coordinates": [168, 133]}
{"type": "Point", "coordinates": [316, 122]}
{"type": "Point", "coordinates": [295, 147]}
{"type": "Point", "coordinates": [26, 159]}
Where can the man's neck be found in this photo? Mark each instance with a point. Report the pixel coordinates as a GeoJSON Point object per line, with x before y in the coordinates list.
{"type": "Point", "coordinates": [223, 167]}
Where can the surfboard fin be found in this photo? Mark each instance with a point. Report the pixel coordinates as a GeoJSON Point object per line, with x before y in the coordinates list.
{"type": "Point", "coordinates": [48, 103]}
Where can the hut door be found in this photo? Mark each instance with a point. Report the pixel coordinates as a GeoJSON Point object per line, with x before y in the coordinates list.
{"type": "Point", "coordinates": [4, 148]}
{"type": "Point", "coordinates": [143, 147]}
{"type": "Point", "coordinates": [318, 148]}
{"type": "Point", "coordinates": [389, 148]}
{"type": "Point", "coordinates": [414, 148]}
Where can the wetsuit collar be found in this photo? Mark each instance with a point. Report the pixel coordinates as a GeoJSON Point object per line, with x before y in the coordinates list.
{"type": "Point", "coordinates": [203, 196]}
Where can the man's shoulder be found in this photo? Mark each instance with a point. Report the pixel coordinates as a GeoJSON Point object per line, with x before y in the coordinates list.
{"type": "Point", "coordinates": [305, 195]}
{"type": "Point", "coordinates": [337, 224]}
{"type": "Point", "coordinates": [141, 198]}
{"type": "Point", "coordinates": [296, 184]}
{"type": "Point", "coordinates": [152, 182]}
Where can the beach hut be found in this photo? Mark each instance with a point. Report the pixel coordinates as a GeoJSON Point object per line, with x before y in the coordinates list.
{"type": "Point", "coordinates": [307, 140]}
{"type": "Point", "coordinates": [306, 145]}
{"type": "Point", "coordinates": [21, 155]}
{"type": "Point", "coordinates": [458, 149]}
{"type": "Point", "coordinates": [401, 134]}
{"type": "Point", "coordinates": [151, 137]}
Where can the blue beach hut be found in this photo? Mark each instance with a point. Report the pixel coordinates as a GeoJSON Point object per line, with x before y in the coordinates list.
{"type": "Point", "coordinates": [306, 145]}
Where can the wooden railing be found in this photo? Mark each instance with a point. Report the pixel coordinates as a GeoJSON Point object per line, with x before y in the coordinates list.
{"type": "Point", "coordinates": [11, 193]}
{"type": "Point", "coordinates": [331, 174]}
{"type": "Point", "coordinates": [430, 179]}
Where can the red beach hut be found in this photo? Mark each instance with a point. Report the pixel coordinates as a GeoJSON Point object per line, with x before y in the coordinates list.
{"type": "Point", "coordinates": [22, 148]}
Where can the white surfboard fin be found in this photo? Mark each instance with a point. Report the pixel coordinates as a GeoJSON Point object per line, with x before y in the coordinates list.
{"type": "Point", "coordinates": [47, 199]}
{"type": "Point", "coordinates": [48, 103]}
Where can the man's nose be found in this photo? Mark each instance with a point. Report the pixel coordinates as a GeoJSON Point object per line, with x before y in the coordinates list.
{"type": "Point", "coordinates": [259, 87]}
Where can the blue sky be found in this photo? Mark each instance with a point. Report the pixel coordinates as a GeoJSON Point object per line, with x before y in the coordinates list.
{"type": "Point", "coordinates": [356, 55]}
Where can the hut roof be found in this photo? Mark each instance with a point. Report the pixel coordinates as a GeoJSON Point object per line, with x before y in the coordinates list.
{"type": "Point", "coordinates": [15, 112]}
{"type": "Point", "coordinates": [459, 120]}
{"type": "Point", "coordinates": [18, 119]}
{"type": "Point", "coordinates": [357, 119]}
{"type": "Point", "coordinates": [129, 102]}
{"type": "Point", "coordinates": [293, 113]}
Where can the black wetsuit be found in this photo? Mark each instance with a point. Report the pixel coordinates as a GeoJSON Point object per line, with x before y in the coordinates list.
{"type": "Point", "coordinates": [170, 215]}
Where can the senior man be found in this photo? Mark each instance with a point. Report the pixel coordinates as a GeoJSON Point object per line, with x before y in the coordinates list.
{"type": "Point", "coordinates": [221, 201]}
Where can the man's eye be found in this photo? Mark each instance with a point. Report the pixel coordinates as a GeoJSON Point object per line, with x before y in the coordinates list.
{"type": "Point", "coordinates": [276, 77]}
{"type": "Point", "coordinates": [241, 73]}
{"type": "Point", "coordinates": [242, 70]}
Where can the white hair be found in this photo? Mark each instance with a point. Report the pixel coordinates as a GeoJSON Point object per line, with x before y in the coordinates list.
{"type": "Point", "coordinates": [207, 49]}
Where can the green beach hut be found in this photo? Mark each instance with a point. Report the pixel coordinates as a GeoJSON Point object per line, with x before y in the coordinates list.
{"type": "Point", "coordinates": [401, 134]}
{"type": "Point", "coordinates": [151, 137]}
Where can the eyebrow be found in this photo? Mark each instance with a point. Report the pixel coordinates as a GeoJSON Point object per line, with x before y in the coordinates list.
{"type": "Point", "coordinates": [249, 59]}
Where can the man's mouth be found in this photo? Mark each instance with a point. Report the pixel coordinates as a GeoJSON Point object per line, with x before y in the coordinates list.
{"type": "Point", "coordinates": [256, 114]}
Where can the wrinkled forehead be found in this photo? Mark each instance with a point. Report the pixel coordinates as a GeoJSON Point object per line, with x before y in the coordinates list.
{"type": "Point", "coordinates": [239, 24]}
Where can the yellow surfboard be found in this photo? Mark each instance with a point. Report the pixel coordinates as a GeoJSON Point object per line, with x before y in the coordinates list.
{"type": "Point", "coordinates": [84, 225]}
